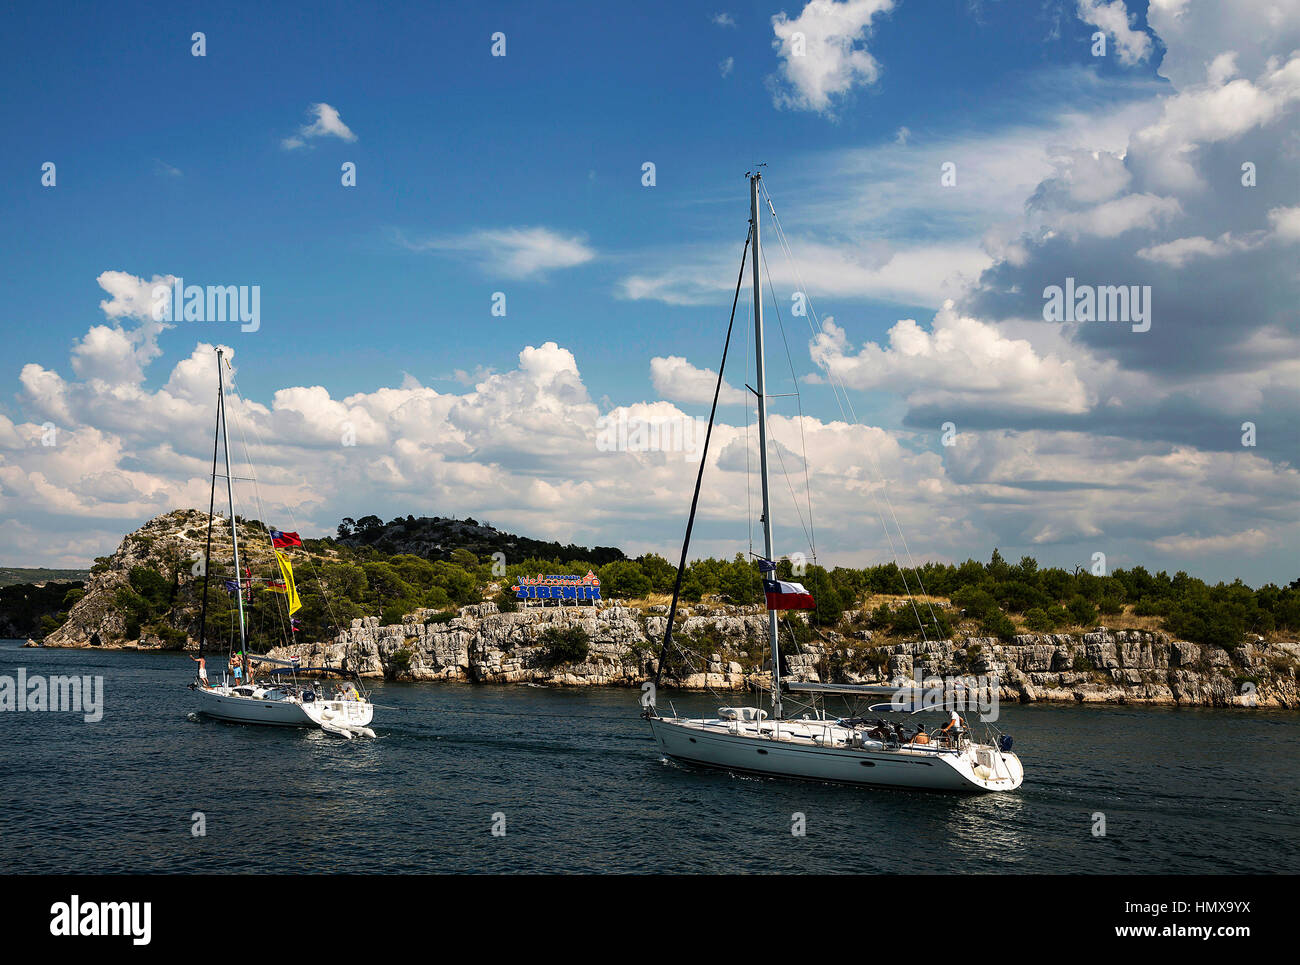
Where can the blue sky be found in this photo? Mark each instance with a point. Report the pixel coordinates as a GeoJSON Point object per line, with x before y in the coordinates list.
{"type": "Point", "coordinates": [523, 174]}
{"type": "Point", "coordinates": [169, 162]}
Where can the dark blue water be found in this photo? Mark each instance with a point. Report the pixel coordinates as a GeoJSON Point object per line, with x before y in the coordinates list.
{"type": "Point", "coordinates": [583, 789]}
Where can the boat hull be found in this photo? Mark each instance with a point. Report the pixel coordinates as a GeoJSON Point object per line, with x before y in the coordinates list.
{"type": "Point", "coordinates": [693, 744]}
{"type": "Point", "coordinates": [332, 715]}
{"type": "Point", "coordinates": [250, 710]}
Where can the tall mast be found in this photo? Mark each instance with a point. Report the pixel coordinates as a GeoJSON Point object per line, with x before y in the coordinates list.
{"type": "Point", "coordinates": [212, 500]}
{"type": "Point", "coordinates": [761, 391]}
{"type": "Point", "coordinates": [230, 495]}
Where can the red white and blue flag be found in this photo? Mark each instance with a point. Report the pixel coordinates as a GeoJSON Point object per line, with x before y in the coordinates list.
{"type": "Point", "coordinates": [787, 596]}
{"type": "Point", "coordinates": [281, 540]}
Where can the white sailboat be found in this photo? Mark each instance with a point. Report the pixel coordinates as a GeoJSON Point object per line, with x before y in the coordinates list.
{"type": "Point", "coordinates": [816, 746]}
{"type": "Point", "coordinates": [341, 708]}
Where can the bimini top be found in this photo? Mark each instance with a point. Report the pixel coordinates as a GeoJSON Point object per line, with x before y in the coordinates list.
{"type": "Point", "coordinates": [275, 661]}
{"type": "Point", "coordinates": [332, 671]}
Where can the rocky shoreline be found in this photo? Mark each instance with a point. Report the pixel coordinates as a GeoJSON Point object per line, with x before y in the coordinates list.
{"type": "Point", "coordinates": [483, 645]}
{"type": "Point", "coordinates": [725, 646]}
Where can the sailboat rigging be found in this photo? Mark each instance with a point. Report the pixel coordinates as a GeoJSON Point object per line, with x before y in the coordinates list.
{"type": "Point", "coordinates": [849, 749]}
{"type": "Point", "coordinates": [345, 710]}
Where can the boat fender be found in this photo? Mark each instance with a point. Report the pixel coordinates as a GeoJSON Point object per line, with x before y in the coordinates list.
{"type": "Point", "coordinates": [1004, 743]}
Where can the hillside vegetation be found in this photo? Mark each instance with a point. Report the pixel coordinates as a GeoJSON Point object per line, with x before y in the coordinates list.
{"type": "Point", "coordinates": [148, 589]}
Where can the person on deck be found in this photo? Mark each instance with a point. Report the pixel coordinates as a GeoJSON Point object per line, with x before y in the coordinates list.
{"type": "Point", "coordinates": [954, 726]}
{"type": "Point", "coordinates": [203, 670]}
{"type": "Point", "coordinates": [237, 668]}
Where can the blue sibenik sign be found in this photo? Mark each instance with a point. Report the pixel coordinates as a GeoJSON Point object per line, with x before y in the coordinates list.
{"type": "Point", "coordinates": [576, 589]}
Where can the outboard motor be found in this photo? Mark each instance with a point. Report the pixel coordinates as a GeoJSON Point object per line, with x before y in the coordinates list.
{"type": "Point", "coordinates": [1004, 743]}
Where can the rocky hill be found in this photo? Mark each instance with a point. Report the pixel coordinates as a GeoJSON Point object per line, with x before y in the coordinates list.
{"type": "Point", "coordinates": [168, 545]}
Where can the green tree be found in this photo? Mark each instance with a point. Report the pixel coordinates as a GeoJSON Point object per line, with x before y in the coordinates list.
{"type": "Point", "coordinates": [659, 571]}
{"type": "Point", "coordinates": [624, 579]}
{"type": "Point", "coordinates": [740, 582]}
{"type": "Point", "coordinates": [828, 606]}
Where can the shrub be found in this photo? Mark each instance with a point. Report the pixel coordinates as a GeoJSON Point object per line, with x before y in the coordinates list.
{"type": "Point", "coordinates": [1038, 620]}
{"type": "Point", "coordinates": [911, 619]}
{"type": "Point", "coordinates": [1057, 616]}
{"type": "Point", "coordinates": [172, 638]}
{"type": "Point", "coordinates": [135, 610]}
{"type": "Point", "coordinates": [794, 631]}
{"type": "Point", "coordinates": [997, 624]}
{"type": "Point", "coordinates": [1082, 612]}
{"type": "Point", "coordinates": [881, 618]}
{"type": "Point", "coordinates": [155, 588]}
{"type": "Point", "coordinates": [975, 602]}
{"type": "Point", "coordinates": [1111, 604]}
{"type": "Point", "coordinates": [1149, 608]}
{"type": "Point", "coordinates": [876, 657]}
{"type": "Point", "coordinates": [692, 588]}
{"type": "Point", "coordinates": [567, 645]}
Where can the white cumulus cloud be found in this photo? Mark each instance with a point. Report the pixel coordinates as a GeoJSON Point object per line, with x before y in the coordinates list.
{"type": "Point", "coordinates": [822, 52]}
{"type": "Point", "coordinates": [678, 380]}
{"type": "Point", "coordinates": [1132, 46]}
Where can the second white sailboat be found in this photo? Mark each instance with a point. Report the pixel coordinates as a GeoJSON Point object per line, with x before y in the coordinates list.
{"type": "Point", "coordinates": [845, 749]}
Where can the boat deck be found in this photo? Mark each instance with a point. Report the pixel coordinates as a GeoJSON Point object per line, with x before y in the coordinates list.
{"type": "Point", "coordinates": [815, 733]}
